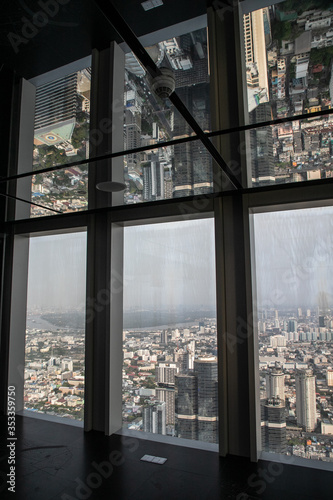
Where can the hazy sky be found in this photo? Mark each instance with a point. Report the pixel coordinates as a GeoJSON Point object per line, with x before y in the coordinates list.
{"type": "Point", "coordinates": [173, 264]}
{"type": "Point", "coordinates": [165, 265]}
{"type": "Point", "coordinates": [57, 271]}
{"type": "Point", "coordinates": [294, 257]}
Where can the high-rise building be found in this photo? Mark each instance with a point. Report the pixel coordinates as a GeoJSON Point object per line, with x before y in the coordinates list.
{"type": "Point", "coordinates": [255, 58]}
{"type": "Point", "coordinates": [261, 140]}
{"type": "Point", "coordinates": [153, 178]}
{"type": "Point", "coordinates": [321, 321]}
{"type": "Point", "coordinates": [192, 166]}
{"type": "Point", "coordinates": [306, 399]}
{"type": "Point", "coordinates": [132, 139]}
{"type": "Point", "coordinates": [277, 341]}
{"type": "Point", "coordinates": [55, 112]}
{"type": "Point", "coordinates": [164, 337]}
{"type": "Point", "coordinates": [165, 373]}
{"type": "Point", "coordinates": [205, 368]}
{"type": "Point", "coordinates": [182, 360]}
{"type": "Point", "coordinates": [292, 325]}
{"type": "Point", "coordinates": [165, 379]}
{"type": "Point", "coordinates": [196, 404]}
{"type": "Point", "coordinates": [186, 406]}
{"type": "Point", "coordinates": [275, 383]}
{"type": "Point", "coordinates": [154, 418]}
{"type": "Point", "coordinates": [329, 376]}
{"type": "Point", "coordinates": [273, 425]}
{"type": "Point", "coordinates": [167, 394]}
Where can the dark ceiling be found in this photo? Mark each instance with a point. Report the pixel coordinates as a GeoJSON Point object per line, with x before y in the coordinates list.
{"type": "Point", "coordinates": [74, 29]}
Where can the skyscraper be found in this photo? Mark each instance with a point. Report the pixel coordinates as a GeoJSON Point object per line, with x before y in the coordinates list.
{"type": "Point", "coordinates": [292, 325]}
{"type": "Point", "coordinates": [166, 373]}
{"type": "Point", "coordinates": [196, 405]}
{"type": "Point", "coordinates": [275, 383]}
{"type": "Point", "coordinates": [205, 368]}
{"type": "Point", "coordinates": [273, 425]}
{"type": "Point", "coordinates": [186, 406]}
{"type": "Point", "coordinates": [154, 418]}
{"type": "Point", "coordinates": [182, 360]}
{"type": "Point", "coordinates": [165, 378]}
{"type": "Point", "coordinates": [261, 139]}
{"type": "Point", "coordinates": [192, 165]}
{"type": "Point", "coordinates": [153, 178]}
{"type": "Point", "coordinates": [167, 394]}
{"type": "Point", "coordinates": [55, 112]}
{"type": "Point", "coordinates": [164, 337]}
{"type": "Point", "coordinates": [306, 399]}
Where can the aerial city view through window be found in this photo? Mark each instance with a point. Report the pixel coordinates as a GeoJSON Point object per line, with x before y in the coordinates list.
{"type": "Point", "coordinates": [169, 338]}
{"type": "Point", "coordinates": [288, 63]}
{"type": "Point", "coordinates": [295, 331]}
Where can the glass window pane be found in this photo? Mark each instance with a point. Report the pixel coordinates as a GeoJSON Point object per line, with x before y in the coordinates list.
{"type": "Point", "coordinates": [149, 119]}
{"type": "Point", "coordinates": [168, 172]}
{"type": "Point", "coordinates": [287, 57]}
{"type": "Point", "coordinates": [291, 152]}
{"type": "Point", "coordinates": [287, 62]}
{"type": "Point", "coordinates": [170, 343]}
{"type": "Point", "coordinates": [294, 276]}
{"type": "Point", "coordinates": [55, 325]}
{"type": "Point", "coordinates": [61, 136]}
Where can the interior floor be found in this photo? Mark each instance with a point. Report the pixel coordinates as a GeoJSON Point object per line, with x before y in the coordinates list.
{"type": "Point", "coordinates": [60, 462]}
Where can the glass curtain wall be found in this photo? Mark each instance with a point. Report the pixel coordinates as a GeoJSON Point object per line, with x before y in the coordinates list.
{"type": "Point", "coordinates": [54, 371]}
{"type": "Point", "coordinates": [294, 304]}
{"type": "Point", "coordinates": [169, 338]}
{"type": "Point", "coordinates": [61, 135]}
{"type": "Point", "coordinates": [287, 52]}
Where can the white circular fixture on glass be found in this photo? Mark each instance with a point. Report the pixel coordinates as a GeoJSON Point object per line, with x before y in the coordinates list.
{"type": "Point", "coordinates": [164, 84]}
{"type": "Point", "coordinates": [111, 186]}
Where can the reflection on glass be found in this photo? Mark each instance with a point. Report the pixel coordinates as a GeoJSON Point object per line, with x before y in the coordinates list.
{"type": "Point", "coordinates": [288, 48]}
{"type": "Point", "coordinates": [169, 172]}
{"type": "Point", "coordinates": [169, 338]}
{"type": "Point", "coordinates": [150, 120]}
{"type": "Point", "coordinates": [61, 136]}
{"type": "Point", "coordinates": [55, 331]}
{"type": "Point", "coordinates": [291, 152]}
{"type": "Point", "coordinates": [64, 190]}
{"type": "Point", "coordinates": [294, 276]}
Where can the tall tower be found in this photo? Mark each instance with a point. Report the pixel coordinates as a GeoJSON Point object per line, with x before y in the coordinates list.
{"type": "Point", "coordinates": [167, 394]}
{"type": "Point", "coordinates": [262, 160]}
{"type": "Point", "coordinates": [275, 383]}
{"type": "Point", "coordinates": [55, 113]}
{"type": "Point", "coordinates": [166, 373]}
{"type": "Point", "coordinates": [165, 378]}
{"type": "Point", "coordinates": [329, 376]}
{"type": "Point", "coordinates": [154, 418]}
{"type": "Point", "coordinates": [292, 325]}
{"type": "Point", "coordinates": [306, 399]}
{"type": "Point", "coordinates": [164, 337]}
{"type": "Point", "coordinates": [186, 406]}
{"type": "Point", "coordinates": [273, 425]}
{"type": "Point", "coordinates": [182, 360]}
{"type": "Point", "coordinates": [205, 368]}
{"type": "Point", "coordinates": [153, 178]}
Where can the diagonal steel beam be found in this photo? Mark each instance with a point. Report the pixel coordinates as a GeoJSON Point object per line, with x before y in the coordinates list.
{"type": "Point", "coordinates": [122, 28]}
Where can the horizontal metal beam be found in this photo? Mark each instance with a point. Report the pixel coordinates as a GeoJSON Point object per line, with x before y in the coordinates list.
{"type": "Point", "coordinates": [173, 142]}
